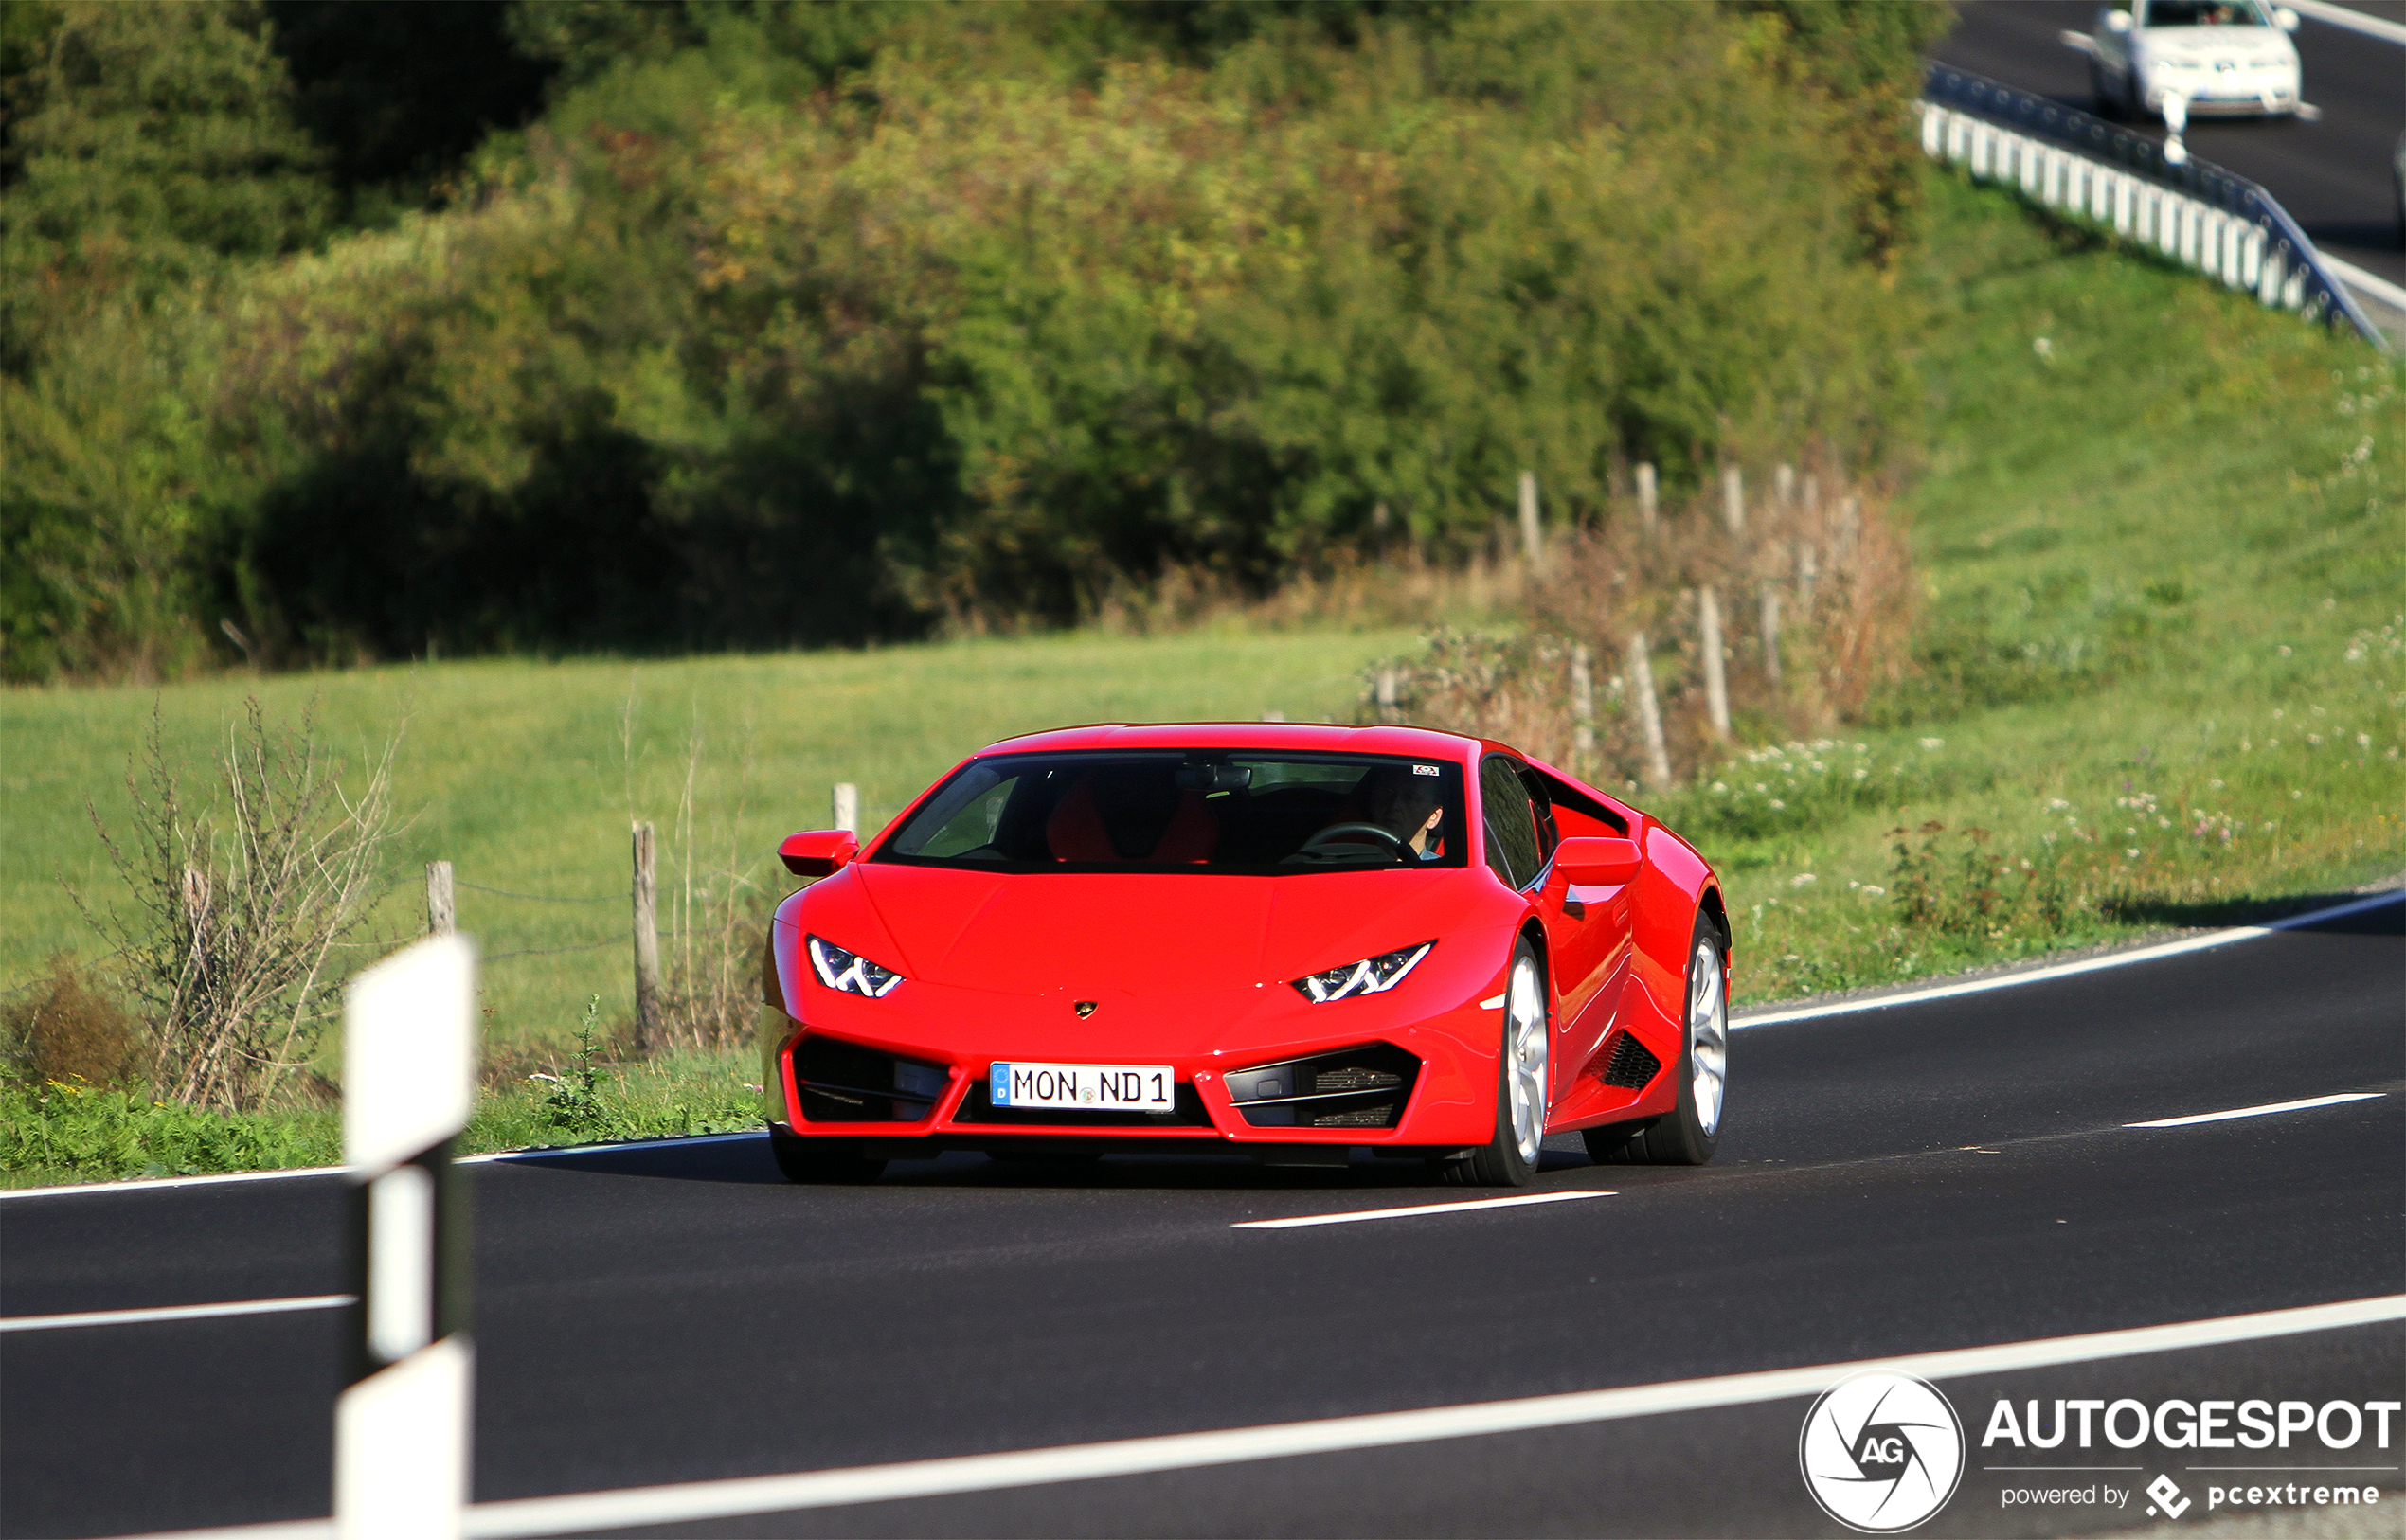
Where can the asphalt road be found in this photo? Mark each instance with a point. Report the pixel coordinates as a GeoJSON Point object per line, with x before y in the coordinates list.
{"type": "Point", "coordinates": [2333, 176]}
{"type": "Point", "coordinates": [1904, 1179]}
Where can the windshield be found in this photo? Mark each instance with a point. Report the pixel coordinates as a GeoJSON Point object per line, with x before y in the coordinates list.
{"type": "Point", "coordinates": [2204, 13]}
{"type": "Point", "coordinates": [1205, 811]}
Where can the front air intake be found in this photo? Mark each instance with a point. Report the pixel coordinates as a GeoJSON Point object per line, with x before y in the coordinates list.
{"type": "Point", "coordinates": [1356, 1087]}
{"type": "Point", "coordinates": [846, 1082]}
{"type": "Point", "coordinates": [1632, 1068]}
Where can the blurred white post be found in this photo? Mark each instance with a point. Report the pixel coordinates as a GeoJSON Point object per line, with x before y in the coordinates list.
{"type": "Point", "coordinates": [1716, 684]}
{"type": "Point", "coordinates": [1533, 538]}
{"type": "Point", "coordinates": [402, 1424]}
{"type": "Point", "coordinates": [1274, 716]}
{"type": "Point", "coordinates": [646, 896]}
{"type": "Point", "coordinates": [1641, 700]}
{"type": "Point", "coordinates": [1783, 486]}
{"type": "Point", "coordinates": [439, 910]}
{"type": "Point", "coordinates": [1733, 499]}
{"type": "Point", "coordinates": [846, 810]}
{"type": "Point", "coordinates": [1771, 633]}
{"type": "Point", "coordinates": [1808, 571]}
{"type": "Point", "coordinates": [1649, 509]}
{"type": "Point", "coordinates": [2176, 122]}
{"type": "Point", "coordinates": [1582, 712]}
{"type": "Point", "coordinates": [1386, 694]}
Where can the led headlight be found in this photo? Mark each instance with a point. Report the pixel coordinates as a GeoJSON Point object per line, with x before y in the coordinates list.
{"type": "Point", "coordinates": [1372, 975]}
{"type": "Point", "coordinates": [848, 972]}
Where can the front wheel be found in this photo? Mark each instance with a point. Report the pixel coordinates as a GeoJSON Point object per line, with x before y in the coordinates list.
{"type": "Point", "coordinates": [821, 1160]}
{"type": "Point", "coordinates": [1510, 1159]}
{"type": "Point", "coordinates": [1691, 1131]}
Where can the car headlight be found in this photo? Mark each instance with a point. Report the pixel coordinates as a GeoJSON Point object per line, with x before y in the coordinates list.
{"type": "Point", "coordinates": [848, 973]}
{"type": "Point", "coordinates": [1372, 975]}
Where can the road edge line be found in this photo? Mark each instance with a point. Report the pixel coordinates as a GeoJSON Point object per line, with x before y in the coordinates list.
{"type": "Point", "coordinates": [2066, 969]}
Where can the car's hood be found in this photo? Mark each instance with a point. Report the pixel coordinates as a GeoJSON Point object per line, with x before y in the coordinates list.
{"type": "Point", "coordinates": [1152, 933]}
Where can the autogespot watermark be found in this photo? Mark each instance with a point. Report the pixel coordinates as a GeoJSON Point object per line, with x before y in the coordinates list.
{"type": "Point", "coordinates": [1880, 1453]}
{"type": "Point", "coordinates": [2078, 1430]}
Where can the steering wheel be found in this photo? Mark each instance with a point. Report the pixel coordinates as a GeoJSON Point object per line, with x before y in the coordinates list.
{"type": "Point", "coordinates": [1349, 833]}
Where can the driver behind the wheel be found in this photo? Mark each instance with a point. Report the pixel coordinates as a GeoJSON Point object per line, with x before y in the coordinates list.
{"type": "Point", "coordinates": [1406, 806]}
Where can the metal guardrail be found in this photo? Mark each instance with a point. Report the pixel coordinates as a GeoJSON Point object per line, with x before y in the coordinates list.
{"type": "Point", "coordinates": [2193, 212]}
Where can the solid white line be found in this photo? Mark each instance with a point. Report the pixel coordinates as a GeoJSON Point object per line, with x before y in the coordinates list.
{"type": "Point", "coordinates": [172, 1312]}
{"type": "Point", "coordinates": [2195, 943]}
{"type": "Point", "coordinates": [2355, 277]}
{"type": "Point", "coordinates": [2264, 1111]}
{"type": "Point", "coordinates": [156, 1184]}
{"type": "Point", "coordinates": [696, 1501]}
{"type": "Point", "coordinates": [2065, 970]}
{"type": "Point", "coordinates": [2355, 21]}
{"type": "Point", "coordinates": [1465, 1206]}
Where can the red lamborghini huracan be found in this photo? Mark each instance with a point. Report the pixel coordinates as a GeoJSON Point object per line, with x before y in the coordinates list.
{"type": "Point", "coordinates": [1294, 941]}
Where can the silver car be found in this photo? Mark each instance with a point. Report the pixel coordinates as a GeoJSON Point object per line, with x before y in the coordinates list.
{"type": "Point", "coordinates": [2220, 57]}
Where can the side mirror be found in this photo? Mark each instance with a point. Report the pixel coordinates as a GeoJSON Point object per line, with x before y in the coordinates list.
{"type": "Point", "coordinates": [816, 853]}
{"type": "Point", "coordinates": [2117, 21]}
{"type": "Point", "coordinates": [1589, 861]}
{"type": "Point", "coordinates": [2285, 19]}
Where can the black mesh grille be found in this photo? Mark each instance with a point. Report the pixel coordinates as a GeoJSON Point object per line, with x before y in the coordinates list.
{"type": "Point", "coordinates": [1356, 1087]}
{"type": "Point", "coordinates": [1632, 1066]}
{"type": "Point", "coordinates": [845, 1082]}
{"type": "Point", "coordinates": [1186, 1112]}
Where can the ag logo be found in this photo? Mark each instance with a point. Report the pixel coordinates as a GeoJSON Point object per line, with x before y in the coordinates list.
{"type": "Point", "coordinates": [1881, 1451]}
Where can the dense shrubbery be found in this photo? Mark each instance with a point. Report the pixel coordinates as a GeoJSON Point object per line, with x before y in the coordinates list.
{"type": "Point", "coordinates": [808, 323]}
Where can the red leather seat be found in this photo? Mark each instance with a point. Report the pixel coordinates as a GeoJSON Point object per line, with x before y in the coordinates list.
{"type": "Point", "coordinates": [1076, 833]}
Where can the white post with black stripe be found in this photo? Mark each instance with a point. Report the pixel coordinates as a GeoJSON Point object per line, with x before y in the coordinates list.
{"type": "Point", "coordinates": [402, 1424]}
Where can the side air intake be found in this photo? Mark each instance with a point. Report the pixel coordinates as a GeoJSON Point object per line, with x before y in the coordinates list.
{"type": "Point", "coordinates": [1631, 1067]}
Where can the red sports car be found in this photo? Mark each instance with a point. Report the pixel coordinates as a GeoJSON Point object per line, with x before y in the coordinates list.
{"type": "Point", "coordinates": [1294, 941]}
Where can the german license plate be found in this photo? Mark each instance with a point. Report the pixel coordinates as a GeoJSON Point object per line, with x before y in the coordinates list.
{"type": "Point", "coordinates": [1086, 1087]}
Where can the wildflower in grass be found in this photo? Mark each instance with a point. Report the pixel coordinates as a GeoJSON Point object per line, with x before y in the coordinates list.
{"type": "Point", "coordinates": [1933, 742]}
{"type": "Point", "coordinates": [1801, 879]}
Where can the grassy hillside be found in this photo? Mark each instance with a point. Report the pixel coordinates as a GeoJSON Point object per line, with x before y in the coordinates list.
{"type": "Point", "coordinates": [2164, 546]}
{"type": "Point", "coordinates": [516, 772]}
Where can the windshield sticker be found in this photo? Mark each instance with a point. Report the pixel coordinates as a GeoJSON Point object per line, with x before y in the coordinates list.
{"type": "Point", "coordinates": [1425, 770]}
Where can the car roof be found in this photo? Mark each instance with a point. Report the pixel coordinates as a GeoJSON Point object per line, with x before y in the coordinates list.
{"type": "Point", "coordinates": [1425, 743]}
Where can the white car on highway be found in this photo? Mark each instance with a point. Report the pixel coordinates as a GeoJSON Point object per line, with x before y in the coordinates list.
{"type": "Point", "coordinates": [2220, 57]}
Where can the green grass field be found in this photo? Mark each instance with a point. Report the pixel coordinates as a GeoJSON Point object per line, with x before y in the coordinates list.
{"type": "Point", "coordinates": [2164, 676]}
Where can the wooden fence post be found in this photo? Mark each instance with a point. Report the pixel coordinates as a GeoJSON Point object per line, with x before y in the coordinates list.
{"type": "Point", "coordinates": [1641, 700]}
{"type": "Point", "coordinates": [846, 807]}
{"type": "Point", "coordinates": [1733, 499]}
{"type": "Point", "coordinates": [1716, 683]}
{"type": "Point", "coordinates": [1533, 538]}
{"type": "Point", "coordinates": [647, 943]}
{"type": "Point", "coordinates": [1583, 712]}
{"type": "Point", "coordinates": [439, 906]}
{"type": "Point", "coordinates": [1649, 508]}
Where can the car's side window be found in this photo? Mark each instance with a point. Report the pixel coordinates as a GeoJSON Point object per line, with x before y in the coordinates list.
{"type": "Point", "coordinates": [1510, 822]}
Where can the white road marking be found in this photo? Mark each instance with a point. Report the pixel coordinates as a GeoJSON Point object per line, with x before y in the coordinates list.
{"type": "Point", "coordinates": [2065, 970]}
{"type": "Point", "coordinates": [1415, 1210]}
{"type": "Point", "coordinates": [2195, 943]}
{"type": "Point", "coordinates": [697, 1502]}
{"type": "Point", "coordinates": [2348, 16]}
{"type": "Point", "coordinates": [2264, 1111]}
{"type": "Point", "coordinates": [172, 1312]}
{"type": "Point", "coordinates": [158, 1184]}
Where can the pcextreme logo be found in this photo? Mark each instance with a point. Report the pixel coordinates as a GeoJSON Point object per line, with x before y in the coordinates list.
{"type": "Point", "coordinates": [1881, 1451]}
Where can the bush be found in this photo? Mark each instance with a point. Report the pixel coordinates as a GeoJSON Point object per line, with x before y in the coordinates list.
{"type": "Point", "coordinates": [92, 1134]}
{"type": "Point", "coordinates": [69, 1028]}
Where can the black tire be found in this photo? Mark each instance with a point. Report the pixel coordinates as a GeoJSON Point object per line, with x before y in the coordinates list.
{"type": "Point", "coordinates": [1502, 1161]}
{"type": "Point", "coordinates": [1682, 1136]}
{"type": "Point", "coordinates": [821, 1160]}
